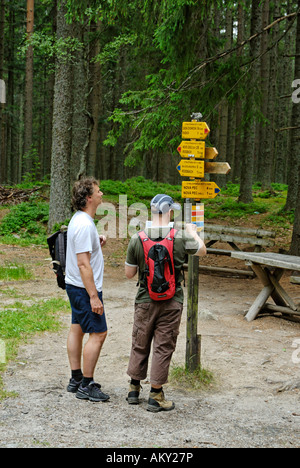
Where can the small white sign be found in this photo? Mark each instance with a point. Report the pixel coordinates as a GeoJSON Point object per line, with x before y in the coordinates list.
{"type": "Point", "coordinates": [2, 92]}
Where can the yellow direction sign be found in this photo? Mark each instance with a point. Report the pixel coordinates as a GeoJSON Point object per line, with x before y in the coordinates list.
{"type": "Point", "coordinates": [198, 190]}
{"type": "Point", "coordinates": [192, 148]}
{"type": "Point", "coordinates": [191, 168]}
{"type": "Point", "coordinates": [195, 130]}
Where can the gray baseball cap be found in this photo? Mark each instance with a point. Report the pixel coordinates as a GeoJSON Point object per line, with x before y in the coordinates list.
{"type": "Point", "coordinates": [161, 204]}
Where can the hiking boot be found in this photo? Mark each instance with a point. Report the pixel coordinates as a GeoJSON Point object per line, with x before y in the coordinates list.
{"type": "Point", "coordinates": [157, 402]}
{"type": "Point", "coordinates": [92, 393]}
{"type": "Point", "coordinates": [133, 395]}
{"type": "Point", "coordinates": [73, 386]}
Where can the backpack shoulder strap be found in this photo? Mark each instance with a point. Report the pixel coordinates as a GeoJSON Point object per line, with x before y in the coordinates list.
{"type": "Point", "coordinates": [62, 250]}
{"type": "Point", "coordinates": [51, 243]}
{"type": "Point", "coordinates": [142, 235]}
{"type": "Point", "coordinates": [147, 243]}
{"type": "Point", "coordinates": [173, 233]}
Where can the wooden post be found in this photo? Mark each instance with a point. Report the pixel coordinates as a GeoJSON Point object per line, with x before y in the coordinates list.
{"type": "Point", "coordinates": [195, 132]}
{"type": "Point", "coordinates": [192, 337]}
{"type": "Point", "coordinates": [193, 340]}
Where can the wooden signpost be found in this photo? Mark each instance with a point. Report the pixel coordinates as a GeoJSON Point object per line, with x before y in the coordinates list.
{"type": "Point", "coordinates": [195, 167]}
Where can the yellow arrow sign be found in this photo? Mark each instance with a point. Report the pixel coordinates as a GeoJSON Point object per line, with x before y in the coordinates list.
{"type": "Point", "coordinates": [191, 168]}
{"type": "Point", "coordinates": [199, 190]}
{"type": "Point", "coordinates": [195, 130]}
{"type": "Point", "coordinates": [194, 148]}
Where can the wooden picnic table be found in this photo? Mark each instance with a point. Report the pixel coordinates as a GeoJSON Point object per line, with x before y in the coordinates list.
{"type": "Point", "coordinates": [269, 268]}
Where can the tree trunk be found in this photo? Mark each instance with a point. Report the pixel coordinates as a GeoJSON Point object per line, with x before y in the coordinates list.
{"type": "Point", "coordinates": [269, 148]}
{"type": "Point", "coordinates": [80, 134]}
{"type": "Point", "coordinates": [94, 101]}
{"type": "Point", "coordinates": [50, 98]}
{"type": "Point", "coordinates": [224, 107]}
{"type": "Point", "coordinates": [28, 88]}
{"type": "Point", "coordinates": [236, 169]}
{"type": "Point", "coordinates": [293, 180]}
{"type": "Point", "coordinates": [295, 145]}
{"type": "Point", "coordinates": [2, 105]}
{"type": "Point", "coordinates": [284, 105]}
{"type": "Point", "coordinates": [12, 150]}
{"type": "Point", "coordinates": [2, 25]}
{"type": "Point", "coordinates": [250, 110]}
{"type": "Point", "coordinates": [264, 86]}
{"type": "Point", "coordinates": [60, 208]}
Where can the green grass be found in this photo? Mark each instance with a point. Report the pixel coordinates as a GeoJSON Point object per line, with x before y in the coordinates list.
{"type": "Point", "coordinates": [198, 380]}
{"type": "Point", "coordinates": [138, 190]}
{"type": "Point", "coordinates": [270, 204]}
{"type": "Point", "coordinates": [14, 272]}
{"type": "Point", "coordinates": [228, 207]}
{"type": "Point", "coordinates": [18, 322]}
{"type": "Point", "coordinates": [26, 223]}
{"type": "Point", "coordinates": [225, 206]}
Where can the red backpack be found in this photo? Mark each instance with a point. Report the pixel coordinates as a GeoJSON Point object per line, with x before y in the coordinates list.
{"type": "Point", "coordinates": [160, 271]}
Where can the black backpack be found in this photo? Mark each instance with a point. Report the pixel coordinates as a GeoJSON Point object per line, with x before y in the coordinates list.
{"type": "Point", "coordinates": [58, 250]}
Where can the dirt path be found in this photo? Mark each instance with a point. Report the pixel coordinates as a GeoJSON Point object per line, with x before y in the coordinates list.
{"type": "Point", "coordinates": [243, 409]}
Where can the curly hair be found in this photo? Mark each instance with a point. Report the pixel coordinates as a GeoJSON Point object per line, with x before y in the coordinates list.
{"type": "Point", "coordinates": [82, 189]}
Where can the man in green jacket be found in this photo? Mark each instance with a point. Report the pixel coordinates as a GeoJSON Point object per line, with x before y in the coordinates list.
{"type": "Point", "coordinates": [157, 322]}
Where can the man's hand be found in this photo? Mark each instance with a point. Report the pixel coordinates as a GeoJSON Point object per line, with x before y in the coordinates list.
{"type": "Point", "coordinates": [96, 305]}
{"type": "Point", "coordinates": [102, 240]}
{"type": "Point", "coordinates": [191, 229]}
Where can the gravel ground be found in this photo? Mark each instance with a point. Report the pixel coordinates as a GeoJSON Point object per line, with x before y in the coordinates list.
{"type": "Point", "coordinates": [244, 408]}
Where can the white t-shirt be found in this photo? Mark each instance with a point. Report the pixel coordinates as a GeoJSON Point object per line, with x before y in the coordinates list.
{"type": "Point", "coordinates": [83, 237]}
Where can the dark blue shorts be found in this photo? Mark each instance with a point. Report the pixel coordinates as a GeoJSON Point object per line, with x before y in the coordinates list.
{"type": "Point", "coordinates": [82, 312]}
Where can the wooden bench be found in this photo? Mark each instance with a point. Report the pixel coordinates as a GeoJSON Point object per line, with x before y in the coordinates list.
{"type": "Point", "coordinates": [235, 237]}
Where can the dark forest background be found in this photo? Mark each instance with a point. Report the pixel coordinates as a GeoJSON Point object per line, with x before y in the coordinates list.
{"type": "Point", "coordinates": [102, 88]}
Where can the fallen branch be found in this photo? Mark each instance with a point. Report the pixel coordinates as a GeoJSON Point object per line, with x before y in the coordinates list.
{"type": "Point", "coordinates": [14, 196]}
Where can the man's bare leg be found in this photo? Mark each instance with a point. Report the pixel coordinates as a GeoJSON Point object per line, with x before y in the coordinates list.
{"type": "Point", "coordinates": [89, 390]}
{"type": "Point", "coordinates": [74, 345]}
{"type": "Point", "coordinates": [91, 353]}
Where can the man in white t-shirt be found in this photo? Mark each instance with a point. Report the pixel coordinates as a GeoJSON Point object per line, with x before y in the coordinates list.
{"type": "Point", "coordinates": [84, 280]}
